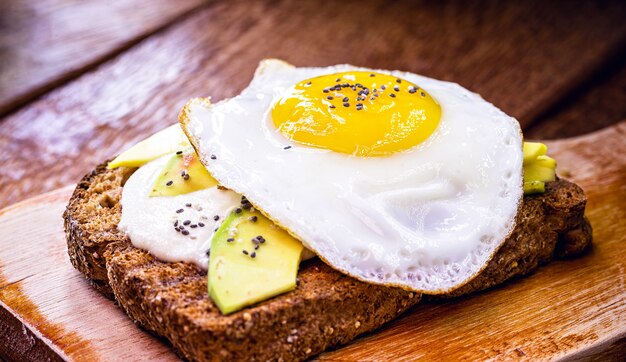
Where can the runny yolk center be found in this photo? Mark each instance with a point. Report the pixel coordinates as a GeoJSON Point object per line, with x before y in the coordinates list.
{"type": "Point", "coordinates": [358, 113]}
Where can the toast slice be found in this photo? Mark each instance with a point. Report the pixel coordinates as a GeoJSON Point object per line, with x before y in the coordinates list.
{"type": "Point", "coordinates": [326, 309]}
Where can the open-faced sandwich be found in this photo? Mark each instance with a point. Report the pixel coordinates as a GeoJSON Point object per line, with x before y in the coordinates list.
{"type": "Point", "coordinates": [317, 205]}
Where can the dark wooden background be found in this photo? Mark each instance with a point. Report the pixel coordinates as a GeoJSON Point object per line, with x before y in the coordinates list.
{"type": "Point", "coordinates": [82, 80]}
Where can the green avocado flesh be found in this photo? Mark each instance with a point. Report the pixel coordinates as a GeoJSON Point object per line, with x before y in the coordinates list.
{"type": "Point", "coordinates": [183, 173]}
{"type": "Point", "coordinates": [240, 275]}
{"type": "Point", "coordinates": [538, 168]}
{"type": "Point", "coordinates": [534, 187]}
{"type": "Point", "coordinates": [532, 150]}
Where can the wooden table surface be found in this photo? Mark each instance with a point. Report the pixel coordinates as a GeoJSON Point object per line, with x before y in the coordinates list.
{"type": "Point", "coordinates": [82, 80]}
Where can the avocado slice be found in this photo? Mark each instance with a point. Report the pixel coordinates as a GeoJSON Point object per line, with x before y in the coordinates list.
{"type": "Point", "coordinates": [538, 168]}
{"type": "Point", "coordinates": [532, 150]}
{"type": "Point", "coordinates": [545, 161]}
{"type": "Point", "coordinates": [183, 173]}
{"type": "Point", "coordinates": [251, 260]}
{"type": "Point", "coordinates": [534, 187]}
{"type": "Point", "coordinates": [161, 143]}
{"type": "Point", "coordinates": [541, 169]}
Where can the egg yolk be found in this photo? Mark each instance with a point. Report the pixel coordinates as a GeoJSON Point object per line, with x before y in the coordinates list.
{"type": "Point", "coordinates": [358, 113]}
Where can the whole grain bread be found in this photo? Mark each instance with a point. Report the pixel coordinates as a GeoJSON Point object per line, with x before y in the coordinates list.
{"type": "Point", "coordinates": [326, 309]}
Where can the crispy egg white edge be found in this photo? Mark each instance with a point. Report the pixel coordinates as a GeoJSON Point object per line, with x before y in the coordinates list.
{"type": "Point", "coordinates": [185, 119]}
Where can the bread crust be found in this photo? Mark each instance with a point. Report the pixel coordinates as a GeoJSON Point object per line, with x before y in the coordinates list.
{"type": "Point", "coordinates": [326, 309]}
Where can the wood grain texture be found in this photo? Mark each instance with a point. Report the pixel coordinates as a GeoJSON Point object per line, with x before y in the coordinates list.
{"type": "Point", "coordinates": [43, 43]}
{"type": "Point", "coordinates": [56, 305]}
{"type": "Point", "coordinates": [595, 105]}
{"type": "Point", "coordinates": [522, 56]}
{"type": "Point", "coordinates": [574, 309]}
{"type": "Point", "coordinates": [19, 343]}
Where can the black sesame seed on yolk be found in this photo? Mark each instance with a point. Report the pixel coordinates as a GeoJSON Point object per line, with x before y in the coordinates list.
{"type": "Point", "coordinates": [357, 113]}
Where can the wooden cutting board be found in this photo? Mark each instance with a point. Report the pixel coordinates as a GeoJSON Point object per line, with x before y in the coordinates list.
{"type": "Point", "coordinates": [569, 309]}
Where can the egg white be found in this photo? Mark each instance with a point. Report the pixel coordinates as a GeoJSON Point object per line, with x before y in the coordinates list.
{"type": "Point", "coordinates": [427, 219]}
{"type": "Point", "coordinates": [149, 221]}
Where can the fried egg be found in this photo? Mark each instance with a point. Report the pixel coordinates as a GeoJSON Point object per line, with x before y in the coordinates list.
{"type": "Point", "coordinates": [388, 176]}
